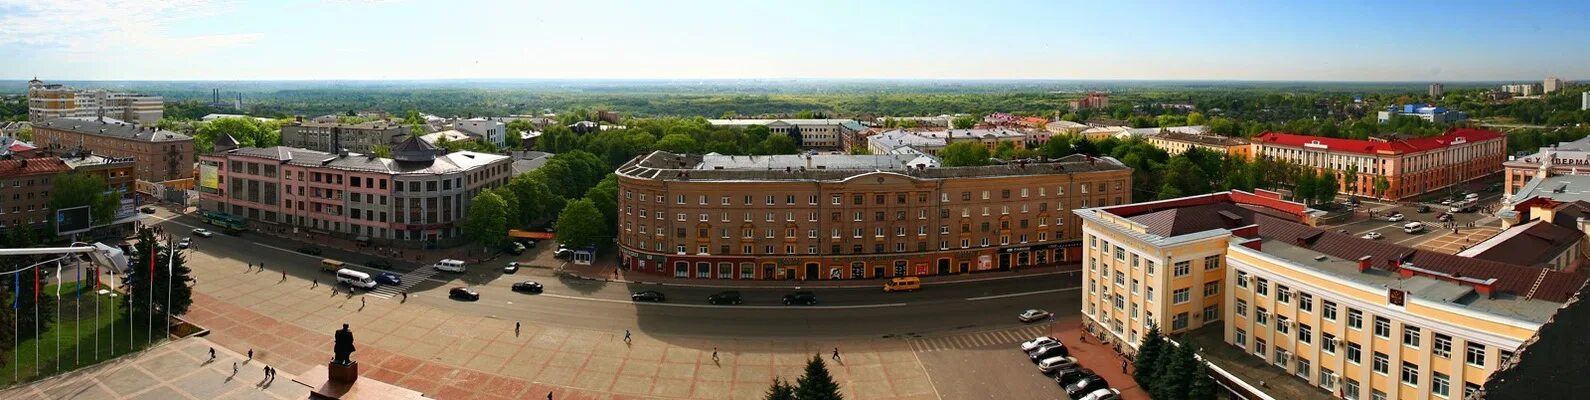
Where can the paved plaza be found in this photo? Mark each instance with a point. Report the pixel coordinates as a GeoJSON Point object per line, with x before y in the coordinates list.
{"type": "Point", "coordinates": [181, 369]}
{"type": "Point", "coordinates": [1452, 243]}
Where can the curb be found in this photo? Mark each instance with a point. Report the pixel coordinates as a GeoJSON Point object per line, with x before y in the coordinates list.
{"type": "Point", "coordinates": [869, 286]}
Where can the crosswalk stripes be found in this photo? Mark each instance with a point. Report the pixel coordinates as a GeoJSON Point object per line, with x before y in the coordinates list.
{"type": "Point", "coordinates": [977, 339]}
{"type": "Point", "coordinates": [409, 280]}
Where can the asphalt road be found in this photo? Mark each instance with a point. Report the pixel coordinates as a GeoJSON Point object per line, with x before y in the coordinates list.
{"type": "Point", "coordinates": [853, 312]}
{"type": "Point", "coordinates": [1392, 232]}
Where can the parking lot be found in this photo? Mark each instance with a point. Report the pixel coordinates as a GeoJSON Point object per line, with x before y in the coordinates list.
{"type": "Point", "coordinates": [990, 365]}
{"type": "Point", "coordinates": [1372, 217]}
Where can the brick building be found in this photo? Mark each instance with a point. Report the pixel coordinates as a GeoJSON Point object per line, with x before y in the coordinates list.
{"type": "Point", "coordinates": [853, 217]}
{"type": "Point", "coordinates": [1411, 166]}
{"type": "Point", "coordinates": [159, 155]}
{"type": "Point", "coordinates": [25, 185]}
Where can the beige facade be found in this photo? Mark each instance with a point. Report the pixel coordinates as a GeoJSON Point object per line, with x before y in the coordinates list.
{"type": "Point", "coordinates": [50, 101]}
{"type": "Point", "coordinates": [1176, 143]}
{"type": "Point", "coordinates": [823, 134]}
{"type": "Point", "coordinates": [332, 137]}
{"type": "Point", "coordinates": [853, 217]}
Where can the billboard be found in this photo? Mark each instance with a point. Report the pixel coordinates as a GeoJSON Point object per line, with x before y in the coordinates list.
{"type": "Point", "coordinates": [209, 177]}
{"type": "Point", "coordinates": [72, 220]}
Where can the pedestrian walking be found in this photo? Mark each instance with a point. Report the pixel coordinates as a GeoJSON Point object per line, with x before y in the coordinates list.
{"type": "Point", "coordinates": [361, 301]}
{"type": "Point", "coordinates": [212, 353]}
{"type": "Point", "coordinates": [714, 354]}
{"type": "Point", "coordinates": [284, 275]}
{"type": "Point", "coordinates": [405, 294]}
{"type": "Point", "coordinates": [626, 336]}
{"type": "Point", "coordinates": [234, 368]}
{"type": "Point", "coordinates": [267, 370]}
{"type": "Point", "coordinates": [315, 283]}
{"type": "Point", "coordinates": [250, 267]}
{"type": "Point", "coordinates": [1123, 366]}
{"type": "Point", "coordinates": [516, 328]}
{"type": "Point", "coordinates": [251, 354]}
{"type": "Point", "coordinates": [836, 354]}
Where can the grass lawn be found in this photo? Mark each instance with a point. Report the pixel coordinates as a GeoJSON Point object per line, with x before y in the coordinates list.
{"type": "Point", "coordinates": [70, 343]}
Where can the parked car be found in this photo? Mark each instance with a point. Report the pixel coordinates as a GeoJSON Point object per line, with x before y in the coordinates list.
{"type": "Point", "coordinates": [1423, 209]}
{"type": "Point", "coordinates": [1086, 385]}
{"type": "Point", "coordinates": [1047, 352]}
{"type": "Point", "coordinates": [378, 264]}
{"type": "Point", "coordinates": [725, 297]}
{"type": "Point", "coordinates": [1352, 202]}
{"type": "Point", "coordinates": [562, 252]}
{"type": "Point", "coordinates": [1068, 376]}
{"type": "Point", "coordinates": [515, 247]}
{"type": "Point", "coordinates": [1103, 394]}
{"type": "Point", "coordinates": [527, 287]}
{"type": "Point", "coordinates": [1372, 236]}
{"type": "Point", "coordinates": [148, 210]}
{"type": "Point", "coordinates": [184, 243]}
{"type": "Point", "coordinates": [802, 297]}
{"type": "Point", "coordinates": [1446, 202]}
{"type": "Point", "coordinates": [1396, 217]}
{"type": "Point", "coordinates": [463, 293]}
{"type": "Point", "coordinates": [310, 250]}
{"type": "Point", "coordinates": [388, 278]}
{"type": "Point", "coordinates": [512, 267]}
{"type": "Point", "coordinates": [528, 243]}
{"type": "Point", "coordinates": [1051, 364]}
{"type": "Point", "coordinates": [648, 295]}
{"type": "Point", "coordinates": [1034, 315]}
{"type": "Point", "coordinates": [202, 232]}
{"type": "Point", "coordinates": [1037, 342]}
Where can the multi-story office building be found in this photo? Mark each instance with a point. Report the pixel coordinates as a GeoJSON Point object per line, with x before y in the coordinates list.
{"type": "Point", "coordinates": [1161, 263]}
{"type": "Point", "coordinates": [487, 130]}
{"type": "Point", "coordinates": [118, 172]}
{"type": "Point", "coordinates": [25, 185]}
{"type": "Point", "coordinates": [332, 137]}
{"type": "Point", "coordinates": [1176, 143]}
{"type": "Point", "coordinates": [1564, 158]}
{"type": "Point", "coordinates": [159, 155]}
{"type": "Point", "coordinates": [931, 142]}
{"type": "Point", "coordinates": [853, 217]}
{"type": "Point", "coordinates": [1092, 100]}
{"type": "Point", "coordinates": [50, 101]}
{"type": "Point", "coordinates": [414, 198]}
{"type": "Point", "coordinates": [823, 134]}
{"type": "Point", "coordinates": [1410, 167]}
{"type": "Point", "coordinates": [1551, 84]}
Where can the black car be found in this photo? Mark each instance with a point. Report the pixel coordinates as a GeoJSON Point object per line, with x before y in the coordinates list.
{"type": "Point", "coordinates": [1084, 386]}
{"type": "Point", "coordinates": [463, 293]}
{"type": "Point", "coordinates": [1047, 351]}
{"type": "Point", "coordinates": [527, 287]}
{"type": "Point", "coordinates": [310, 250]}
{"type": "Point", "coordinates": [378, 264]}
{"type": "Point", "coordinates": [801, 297]}
{"type": "Point", "coordinates": [1423, 209]}
{"type": "Point", "coordinates": [648, 295]}
{"type": "Point", "coordinates": [725, 297]}
{"type": "Point", "coordinates": [1072, 375]}
{"type": "Point", "coordinates": [148, 210]}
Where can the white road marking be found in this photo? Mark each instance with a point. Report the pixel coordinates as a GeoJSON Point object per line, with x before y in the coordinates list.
{"type": "Point", "coordinates": [1001, 296]}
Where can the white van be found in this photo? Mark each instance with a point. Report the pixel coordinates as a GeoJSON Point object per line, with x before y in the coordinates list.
{"type": "Point", "coordinates": [355, 279]}
{"type": "Point", "coordinates": [1413, 227]}
{"type": "Point", "coordinates": [450, 265]}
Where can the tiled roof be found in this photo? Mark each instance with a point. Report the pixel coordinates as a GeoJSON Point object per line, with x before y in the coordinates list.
{"type": "Point", "coordinates": [1374, 146]}
{"type": "Point", "coordinates": [1193, 219]}
{"type": "Point", "coordinates": [1551, 363]}
{"type": "Point", "coordinates": [33, 166]}
{"type": "Point", "coordinates": [1518, 280]}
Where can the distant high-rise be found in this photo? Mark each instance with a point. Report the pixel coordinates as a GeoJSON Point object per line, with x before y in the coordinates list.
{"type": "Point", "coordinates": [1522, 89]}
{"type": "Point", "coordinates": [1552, 84]}
{"type": "Point", "coordinates": [48, 101]}
{"type": "Point", "coordinates": [1437, 90]}
{"type": "Point", "coordinates": [1584, 101]}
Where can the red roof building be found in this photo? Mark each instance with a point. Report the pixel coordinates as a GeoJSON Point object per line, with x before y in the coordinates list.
{"type": "Point", "coordinates": [1409, 167]}
{"type": "Point", "coordinates": [25, 185]}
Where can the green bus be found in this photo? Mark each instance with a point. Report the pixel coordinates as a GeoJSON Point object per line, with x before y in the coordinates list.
{"type": "Point", "coordinates": [228, 223]}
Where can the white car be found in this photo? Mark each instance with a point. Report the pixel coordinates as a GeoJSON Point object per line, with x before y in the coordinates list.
{"type": "Point", "coordinates": [202, 232]}
{"type": "Point", "coordinates": [1103, 394]}
{"type": "Point", "coordinates": [184, 243]}
{"type": "Point", "coordinates": [1034, 315]}
{"type": "Point", "coordinates": [512, 267]}
{"type": "Point", "coordinates": [1395, 218]}
{"type": "Point", "coordinates": [1372, 236]}
{"type": "Point", "coordinates": [1037, 342]}
{"type": "Point", "coordinates": [1053, 363]}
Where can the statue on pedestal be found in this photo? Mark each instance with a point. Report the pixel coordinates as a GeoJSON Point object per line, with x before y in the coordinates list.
{"type": "Point", "coordinates": [343, 347]}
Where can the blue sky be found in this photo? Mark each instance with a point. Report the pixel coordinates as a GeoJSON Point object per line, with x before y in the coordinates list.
{"type": "Point", "coordinates": [978, 39]}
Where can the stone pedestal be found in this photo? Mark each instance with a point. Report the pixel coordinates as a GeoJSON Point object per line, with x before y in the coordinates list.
{"type": "Point", "coordinates": [343, 373]}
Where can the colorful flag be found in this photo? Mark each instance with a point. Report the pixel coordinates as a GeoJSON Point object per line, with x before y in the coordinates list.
{"type": "Point", "coordinates": [58, 280]}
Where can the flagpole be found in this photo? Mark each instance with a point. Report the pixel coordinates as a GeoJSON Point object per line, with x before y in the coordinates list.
{"type": "Point", "coordinates": [171, 264]}
{"type": "Point", "coordinates": [35, 318]}
{"type": "Point", "coordinates": [58, 283]}
{"type": "Point", "coordinates": [77, 330]}
{"type": "Point", "coordinates": [16, 330]}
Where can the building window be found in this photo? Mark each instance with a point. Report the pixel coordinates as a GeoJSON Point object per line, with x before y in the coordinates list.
{"type": "Point", "coordinates": [1441, 346]}
{"type": "Point", "coordinates": [1440, 384]}
{"type": "Point", "coordinates": [1305, 333]}
{"type": "Point", "coordinates": [1355, 353]}
{"type": "Point", "coordinates": [1329, 311]}
{"type": "Point", "coordinates": [1376, 394]}
{"type": "Point", "coordinates": [1350, 389]}
{"type": "Point", "coordinates": [1179, 295]}
{"type": "Point", "coordinates": [1410, 373]}
{"type": "Point", "coordinates": [1242, 279]}
{"type": "Point", "coordinates": [1283, 294]}
{"type": "Point", "coordinates": [1261, 287]}
{"type": "Point", "coordinates": [1211, 288]}
{"type": "Point", "coordinates": [1327, 342]}
{"type": "Point", "coordinates": [1183, 268]}
{"type": "Point", "coordinates": [1282, 325]}
{"type": "Point", "coordinates": [1382, 364]}
{"type": "Point", "coordinates": [1179, 322]}
{"type": "Point", "coordinates": [1261, 316]}
{"type": "Point", "coordinates": [1259, 348]}
{"type": "Point", "coordinates": [1382, 327]}
{"type": "Point", "coordinates": [1241, 337]}
{"type": "Point", "coordinates": [1211, 313]}
{"type": "Point", "coordinates": [1475, 354]}
{"type": "Point", "coordinates": [1242, 308]}
{"type": "Point", "coordinates": [1410, 336]}
{"type": "Point", "coordinates": [1305, 302]}
{"type": "Point", "coordinates": [1211, 262]}
{"type": "Point", "coordinates": [1355, 319]}
{"type": "Point", "coordinates": [1281, 357]}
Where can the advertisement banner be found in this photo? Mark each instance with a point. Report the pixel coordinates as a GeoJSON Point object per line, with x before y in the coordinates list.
{"type": "Point", "coordinates": [209, 177]}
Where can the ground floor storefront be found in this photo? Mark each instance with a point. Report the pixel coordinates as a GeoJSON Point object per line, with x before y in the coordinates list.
{"type": "Point", "coordinates": [837, 267]}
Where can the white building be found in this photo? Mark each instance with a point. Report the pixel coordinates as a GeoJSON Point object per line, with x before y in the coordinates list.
{"type": "Point", "coordinates": [49, 101]}
{"type": "Point", "coordinates": [1522, 89]}
{"type": "Point", "coordinates": [1584, 101]}
{"type": "Point", "coordinates": [490, 130]}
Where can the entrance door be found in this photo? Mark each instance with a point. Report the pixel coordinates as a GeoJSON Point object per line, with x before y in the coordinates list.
{"type": "Point", "coordinates": [1004, 262]}
{"type": "Point", "coordinates": [811, 271]}
{"type": "Point", "coordinates": [877, 271]}
{"type": "Point", "coordinates": [944, 266]}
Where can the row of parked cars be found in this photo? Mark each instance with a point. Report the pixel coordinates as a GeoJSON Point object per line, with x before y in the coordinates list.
{"type": "Point", "coordinates": [1055, 360]}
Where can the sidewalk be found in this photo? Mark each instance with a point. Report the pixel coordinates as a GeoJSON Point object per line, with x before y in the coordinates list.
{"type": "Point", "coordinates": [181, 369]}
{"type": "Point", "coordinates": [610, 274]}
{"type": "Point", "coordinates": [305, 238]}
{"type": "Point", "coordinates": [1102, 359]}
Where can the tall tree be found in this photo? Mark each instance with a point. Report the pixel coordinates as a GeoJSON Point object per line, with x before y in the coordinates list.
{"type": "Point", "coordinates": [77, 189]}
{"type": "Point", "coordinates": [963, 122]}
{"type": "Point", "coordinates": [1350, 180]}
{"type": "Point", "coordinates": [486, 221]}
{"type": "Point", "coordinates": [1203, 387]}
{"type": "Point", "coordinates": [778, 144]}
{"type": "Point", "coordinates": [1183, 177]}
{"type": "Point", "coordinates": [1176, 370]}
{"type": "Point", "coordinates": [1304, 186]}
{"type": "Point", "coordinates": [605, 197]}
{"type": "Point", "coordinates": [1150, 351]}
{"type": "Point", "coordinates": [511, 207]}
{"type": "Point", "coordinates": [678, 144]}
{"type": "Point", "coordinates": [1381, 186]}
{"type": "Point", "coordinates": [536, 200]}
{"type": "Point", "coordinates": [581, 224]}
{"type": "Point", "coordinates": [1057, 146]}
{"type": "Point", "coordinates": [816, 383]}
{"type": "Point", "coordinates": [964, 154]}
{"type": "Point", "coordinates": [781, 390]}
{"type": "Point", "coordinates": [1327, 187]}
{"type": "Point", "coordinates": [170, 278]}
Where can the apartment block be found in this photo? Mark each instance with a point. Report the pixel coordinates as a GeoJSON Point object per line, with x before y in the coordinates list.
{"type": "Point", "coordinates": [823, 134]}
{"type": "Point", "coordinates": [158, 155]}
{"type": "Point", "coordinates": [1411, 166]}
{"type": "Point", "coordinates": [332, 137]}
{"type": "Point", "coordinates": [932, 141]}
{"type": "Point", "coordinates": [25, 185]}
{"type": "Point", "coordinates": [50, 101]}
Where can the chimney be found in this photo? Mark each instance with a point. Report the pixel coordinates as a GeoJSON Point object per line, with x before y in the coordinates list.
{"type": "Point", "coordinates": [1364, 263]}
{"type": "Point", "coordinates": [808, 162]}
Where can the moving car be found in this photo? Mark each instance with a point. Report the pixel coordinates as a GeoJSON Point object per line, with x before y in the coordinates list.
{"type": "Point", "coordinates": [378, 264]}
{"type": "Point", "coordinates": [184, 243]}
{"type": "Point", "coordinates": [1037, 342]}
{"type": "Point", "coordinates": [802, 297]}
{"type": "Point", "coordinates": [1086, 385]}
{"type": "Point", "coordinates": [1103, 394]}
{"type": "Point", "coordinates": [1047, 352]}
{"type": "Point", "coordinates": [355, 279]}
{"type": "Point", "coordinates": [463, 293]}
{"type": "Point", "coordinates": [388, 278]}
{"type": "Point", "coordinates": [1033, 315]}
{"type": "Point", "coordinates": [1413, 227]}
{"type": "Point", "coordinates": [516, 248]}
{"type": "Point", "coordinates": [648, 295]}
{"type": "Point", "coordinates": [330, 265]}
{"type": "Point", "coordinates": [310, 250]}
{"type": "Point", "coordinates": [1052, 364]}
{"type": "Point", "coordinates": [148, 210]}
{"type": "Point", "coordinates": [725, 297]}
{"type": "Point", "coordinates": [1397, 217]}
{"type": "Point", "coordinates": [1372, 236]}
{"type": "Point", "coordinates": [527, 287]}
{"type": "Point", "coordinates": [1422, 209]}
{"type": "Point", "coordinates": [1446, 202]}
{"type": "Point", "coordinates": [202, 232]}
{"type": "Point", "coordinates": [449, 265]}
{"type": "Point", "coordinates": [1443, 217]}
{"type": "Point", "coordinates": [512, 267]}
{"type": "Point", "coordinates": [907, 283]}
{"type": "Point", "coordinates": [1067, 376]}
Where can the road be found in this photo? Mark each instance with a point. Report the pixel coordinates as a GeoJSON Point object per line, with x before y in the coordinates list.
{"type": "Point", "coordinates": [572, 302]}
{"type": "Point", "coordinates": [1392, 232]}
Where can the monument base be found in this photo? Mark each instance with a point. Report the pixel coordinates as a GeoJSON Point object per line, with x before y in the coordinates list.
{"type": "Point", "coordinates": [324, 386]}
{"type": "Point", "coordinates": [343, 372]}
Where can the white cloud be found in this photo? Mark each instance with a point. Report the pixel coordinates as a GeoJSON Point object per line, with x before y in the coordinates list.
{"type": "Point", "coordinates": [83, 27]}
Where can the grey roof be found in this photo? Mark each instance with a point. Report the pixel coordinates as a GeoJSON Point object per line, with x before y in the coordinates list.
{"type": "Point", "coordinates": [1199, 138]}
{"type": "Point", "coordinates": [226, 140]}
{"type": "Point", "coordinates": [526, 161]}
{"type": "Point", "coordinates": [112, 128]}
{"type": "Point", "coordinates": [450, 163]}
{"type": "Point", "coordinates": [663, 165]}
{"type": "Point", "coordinates": [1563, 188]}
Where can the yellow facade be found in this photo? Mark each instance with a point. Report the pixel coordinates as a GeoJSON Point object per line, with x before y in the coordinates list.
{"type": "Point", "coordinates": [1348, 338]}
{"type": "Point", "coordinates": [1147, 278]}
